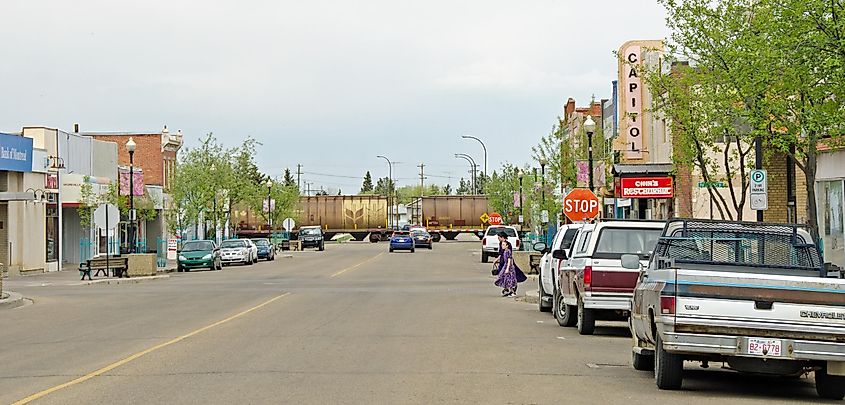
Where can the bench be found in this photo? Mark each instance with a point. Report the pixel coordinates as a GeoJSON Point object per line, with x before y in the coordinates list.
{"type": "Point", "coordinates": [534, 260]}
{"type": "Point", "coordinates": [296, 245]}
{"type": "Point", "coordinates": [118, 266]}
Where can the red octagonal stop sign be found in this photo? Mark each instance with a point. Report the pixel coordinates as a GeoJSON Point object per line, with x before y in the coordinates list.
{"type": "Point", "coordinates": [581, 204]}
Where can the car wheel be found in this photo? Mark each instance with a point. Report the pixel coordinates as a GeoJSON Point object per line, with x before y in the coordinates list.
{"type": "Point", "coordinates": [586, 319]}
{"type": "Point", "coordinates": [829, 386]}
{"type": "Point", "coordinates": [668, 367]}
{"type": "Point", "coordinates": [391, 250]}
{"type": "Point", "coordinates": [540, 294]}
{"type": "Point", "coordinates": [322, 247]}
{"type": "Point", "coordinates": [484, 257]}
{"type": "Point", "coordinates": [642, 362]}
{"type": "Point", "coordinates": [412, 250]}
{"type": "Point", "coordinates": [179, 269]}
{"type": "Point", "coordinates": [565, 314]}
{"type": "Point", "coordinates": [430, 247]}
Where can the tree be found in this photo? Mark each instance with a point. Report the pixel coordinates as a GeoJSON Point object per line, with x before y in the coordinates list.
{"type": "Point", "coordinates": [367, 187]}
{"type": "Point", "coordinates": [464, 187]}
{"type": "Point", "coordinates": [779, 63]}
{"type": "Point", "coordinates": [289, 180]}
{"type": "Point", "coordinates": [447, 189]}
{"type": "Point", "coordinates": [385, 186]}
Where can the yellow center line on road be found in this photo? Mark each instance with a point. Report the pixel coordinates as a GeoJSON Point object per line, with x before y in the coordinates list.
{"type": "Point", "coordinates": [357, 265]}
{"type": "Point", "coordinates": [135, 356]}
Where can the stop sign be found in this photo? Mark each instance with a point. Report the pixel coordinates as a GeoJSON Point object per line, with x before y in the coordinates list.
{"type": "Point", "coordinates": [581, 204]}
{"type": "Point", "coordinates": [495, 219]}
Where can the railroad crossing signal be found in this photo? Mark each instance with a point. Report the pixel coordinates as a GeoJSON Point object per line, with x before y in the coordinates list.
{"type": "Point", "coordinates": [581, 204]}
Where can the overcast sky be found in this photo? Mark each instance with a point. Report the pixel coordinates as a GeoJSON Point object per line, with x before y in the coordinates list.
{"type": "Point", "coordinates": [328, 84]}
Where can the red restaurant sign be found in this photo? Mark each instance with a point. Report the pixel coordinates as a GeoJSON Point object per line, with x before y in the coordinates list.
{"type": "Point", "coordinates": [646, 187]}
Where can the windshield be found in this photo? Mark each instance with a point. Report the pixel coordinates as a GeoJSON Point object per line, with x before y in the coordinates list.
{"type": "Point", "coordinates": [400, 233]}
{"type": "Point", "coordinates": [509, 231]}
{"type": "Point", "coordinates": [310, 231]}
{"type": "Point", "coordinates": [261, 242]}
{"type": "Point", "coordinates": [197, 246]}
{"type": "Point", "coordinates": [615, 242]}
{"type": "Point", "coordinates": [420, 233]}
{"type": "Point", "coordinates": [233, 244]}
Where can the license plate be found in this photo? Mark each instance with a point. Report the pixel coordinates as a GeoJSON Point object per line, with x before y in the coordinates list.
{"type": "Point", "coordinates": [765, 347]}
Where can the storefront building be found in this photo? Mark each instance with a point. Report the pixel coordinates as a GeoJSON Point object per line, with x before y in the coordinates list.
{"type": "Point", "coordinates": [830, 176]}
{"type": "Point", "coordinates": [644, 191]}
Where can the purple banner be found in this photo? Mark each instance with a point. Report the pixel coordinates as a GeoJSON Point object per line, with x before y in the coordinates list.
{"type": "Point", "coordinates": [137, 181]}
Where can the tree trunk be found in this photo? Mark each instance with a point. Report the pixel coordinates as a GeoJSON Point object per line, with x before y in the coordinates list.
{"type": "Point", "coordinates": [812, 206]}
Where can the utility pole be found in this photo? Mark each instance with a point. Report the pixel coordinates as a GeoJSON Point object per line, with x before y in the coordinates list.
{"type": "Point", "coordinates": [298, 176]}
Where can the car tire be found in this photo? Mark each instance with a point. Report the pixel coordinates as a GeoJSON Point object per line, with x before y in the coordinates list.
{"type": "Point", "coordinates": [540, 294]}
{"type": "Point", "coordinates": [564, 314]}
{"type": "Point", "coordinates": [391, 250]}
{"type": "Point", "coordinates": [430, 247]}
{"type": "Point", "coordinates": [179, 269]}
{"type": "Point", "coordinates": [484, 257]}
{"type": "Point", "coordinates": [829, 386]}
{"type": "Point", "coordinates": [586, 319]}
{"type": "Point", "coordinates": [412, 250]}
{"type": "Point", "coordinates": [322, 247]}
{"type": "Point", "coordinates": [642, 362]}
{"type": "Point", "coordinates": [668, 367]}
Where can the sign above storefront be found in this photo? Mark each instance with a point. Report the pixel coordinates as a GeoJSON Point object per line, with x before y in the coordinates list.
{"type": "Point", "coordinates": [646, 187]}
{"type": "Point", "coordinates": [15, 153]}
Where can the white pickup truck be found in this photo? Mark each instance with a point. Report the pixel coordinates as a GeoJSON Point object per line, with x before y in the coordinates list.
{"type": "Point", "coordinates": [752, 296]}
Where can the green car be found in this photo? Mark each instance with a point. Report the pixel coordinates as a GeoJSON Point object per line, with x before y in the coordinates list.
{"type": "Point", "coordinates": [198, 254]}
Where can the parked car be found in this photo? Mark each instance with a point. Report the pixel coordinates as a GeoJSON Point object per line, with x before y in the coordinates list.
{"type": "Point", "coordinates": [593, 285]}
{"type": "Point", "coordinates": [198, 254]}
{"type": "Point", "coordinates": [264, 249]}
{"type": "Point", "coordinates": [554, 256]}
{"type": "Point", "coordinates": [402, 240]}
{"type": "Point", "coordinates": [421, 238]}
{"type": "Point", "coordinates": [753, 296]}
{"type": "Point", "coordinates": [237, 251]}
{"type": "Point", "coordinates": [490, 242]}
{"type": "Point", "coordinates": [312, 237]}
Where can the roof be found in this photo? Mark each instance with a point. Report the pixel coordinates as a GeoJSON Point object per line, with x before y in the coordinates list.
{"type": "Point", "coordinates": [648, 168]}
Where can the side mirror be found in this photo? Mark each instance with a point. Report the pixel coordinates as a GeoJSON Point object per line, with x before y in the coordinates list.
{"type": "Point", "coordinates": [559, 254]}
{"type": "Point", "coordinates": [540, 247]}
{"type": "Point", "coordinates": [631, 262]}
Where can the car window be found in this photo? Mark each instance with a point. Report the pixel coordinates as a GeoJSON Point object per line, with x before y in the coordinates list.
{"type": "Point", "coordinates": [419, 233]}
{"type": "Point", "coordinates": [568, 239]}
{"type": "Point", "coordinates": [310, 231]}
{"type": "Point", "coordinates": [584, 242]}
{"type": "Point", "coordinates": [233, 244]}
{"type": "Point", "coordinates": [262, 242]}
{"type": "Point", "coordinates": [614, 242]}
{"type": "Point", "coordinates": [197, 246]}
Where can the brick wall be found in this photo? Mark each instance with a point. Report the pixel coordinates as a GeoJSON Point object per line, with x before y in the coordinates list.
{"type": "Point", "coordinates": [775, 165]}
{"type": "Point", "coordinates": [148, 154]}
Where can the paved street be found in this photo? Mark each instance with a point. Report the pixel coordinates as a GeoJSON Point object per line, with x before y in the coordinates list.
{"type": "Point", "coordinates": [353, 324]}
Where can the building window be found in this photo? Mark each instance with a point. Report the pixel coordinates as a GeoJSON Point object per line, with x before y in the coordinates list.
{"type": "Point", "coordinates": [831, 225]}
{"type": "Point", "coordinates": [52, 240]}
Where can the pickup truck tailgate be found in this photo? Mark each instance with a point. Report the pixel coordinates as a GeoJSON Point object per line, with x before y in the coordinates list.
{"type": "Point", "coordinates": [741, 303]}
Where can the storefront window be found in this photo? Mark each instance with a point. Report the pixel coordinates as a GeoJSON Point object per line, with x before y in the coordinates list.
{"type": "Point", "coordinates": [831, 221]}
{"type": "Point", "coordinates": [52, 233]}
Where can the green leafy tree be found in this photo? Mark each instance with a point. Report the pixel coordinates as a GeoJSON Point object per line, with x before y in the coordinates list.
{"type": "Point", "coordinates": [447, 189]}
{"type": "Point", "coordinates": [367, 187]}
{"type": "Point", "coordinates": [464, 187]}
{"type": "Point", "coordinates": [385, 187]}
{"type": "Point", "coordinates": [288, 179]}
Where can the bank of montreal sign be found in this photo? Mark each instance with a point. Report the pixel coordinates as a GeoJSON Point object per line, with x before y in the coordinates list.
{"type": "Point", "coordinates": [646, 187]}
{"type": "Point", "coordinates": [15, 153]}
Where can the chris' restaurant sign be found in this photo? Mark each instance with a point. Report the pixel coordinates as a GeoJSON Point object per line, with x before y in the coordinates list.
{"type": "Point", "coordinates": [15, 153]}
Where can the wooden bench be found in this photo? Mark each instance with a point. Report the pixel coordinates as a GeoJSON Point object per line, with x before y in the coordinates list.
{"type": "Point", "coordinates": [296, 245]}
{"type": "Point", "coordinates": [118, 266]}
{"type": "Point", "coordinates": [534, 260]}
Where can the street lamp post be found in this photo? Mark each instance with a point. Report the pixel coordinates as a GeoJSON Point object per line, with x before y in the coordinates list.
{"type": "Point", "coordinates": [543, 195]}
{"type": "Point", "coordinates": [483, 147]}
{"type": "Point", "coordinates": [389, 181]}
{"type": "Point", "coordinates": [590, 127]}
{"type": "Point", "coordinates": [472, 166]}
{"type": "Point", "coordinates": [269, 208]}
{"type": "Point", "coordinates": [521, 212]}
{"type": "Point", "coordinates": [130, 147]}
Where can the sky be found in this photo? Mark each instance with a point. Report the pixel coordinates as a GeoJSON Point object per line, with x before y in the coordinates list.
{"type": "Point", "coordinates": [327, 84]}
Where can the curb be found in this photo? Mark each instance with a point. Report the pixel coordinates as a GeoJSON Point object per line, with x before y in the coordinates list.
{"type": "Point", "coordinates": [134, 280]}
{"type": "Point", "coordinates": [13, 300]}
{"type": "Point", "coordinates": [531, 297]}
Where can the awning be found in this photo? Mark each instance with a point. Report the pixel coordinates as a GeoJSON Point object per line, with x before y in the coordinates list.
{"type": "Point", "coordinates": [15, 196]}
{"type": "Point", "coordinates": [620, 170]}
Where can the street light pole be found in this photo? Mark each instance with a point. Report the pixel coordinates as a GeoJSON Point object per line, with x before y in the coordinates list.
{"type": "Point", "coordinates": [521, 212]}
{"type": "Point", "coordinates": [543, 196]}
{"type": "Point", "coordinates": [389, 191]}
{"type": "Point", "coordinates": [473, 167]}
{"type": "Point", "coordinates": [130, 147]}
{"type": "Point", "coordinates": [269, 208]}
{"type": "Point", "coordinates": [483, 147]}
{"type": "Point", "coordinates": [590, 127]}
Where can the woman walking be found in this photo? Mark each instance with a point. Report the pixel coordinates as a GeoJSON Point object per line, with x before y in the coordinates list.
{"type": "Point", "coordinates": [509, 273]}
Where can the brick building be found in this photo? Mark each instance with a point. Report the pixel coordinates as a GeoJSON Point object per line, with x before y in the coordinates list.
{"type": "Point", "coordinates": [155, 154]}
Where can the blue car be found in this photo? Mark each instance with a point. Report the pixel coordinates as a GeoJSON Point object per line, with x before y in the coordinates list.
{"type": "Point", "coordinates": [401, 240]}
{"type": "Point", "coordinates": [265, 249]}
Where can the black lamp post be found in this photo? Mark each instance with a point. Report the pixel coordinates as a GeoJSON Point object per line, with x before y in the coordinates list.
{"type": "Point", "coordinates": [590, 127]}
{"type": "Point", "coordinates": [521, 212]}
{"type": "Point", "coordinates": [269, 208]}
{"type": "Point", "coordinates": [130, 147]}
{"type": "Point", "coordinates": [543, 194]}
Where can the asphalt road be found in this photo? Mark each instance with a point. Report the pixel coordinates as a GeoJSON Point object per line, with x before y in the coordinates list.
{"type": "Point", "coordinates": [353, 324]}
